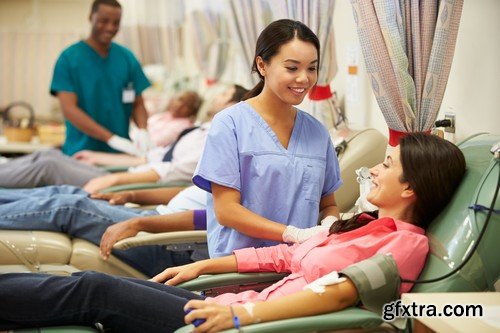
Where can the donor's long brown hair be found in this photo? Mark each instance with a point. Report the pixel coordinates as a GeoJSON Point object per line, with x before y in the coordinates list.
{"type": "Point", "coordinates": [433, 167]}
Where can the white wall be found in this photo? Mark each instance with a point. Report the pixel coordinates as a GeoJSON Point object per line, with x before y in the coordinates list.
{"type": "Point", "coordinates": [47, 15]}
{"type": "Point", "coordinates": [354, 91]}
{"type": "Point", "coordinates": [32, 34]}
{"type": "Point", "coordinates": [473, 91]}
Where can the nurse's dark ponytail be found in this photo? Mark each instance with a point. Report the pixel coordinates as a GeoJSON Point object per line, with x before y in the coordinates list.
{"type": "Point", "coordinates": [272, 38]}
{"type": "Point", "coordinates": [255, 90]}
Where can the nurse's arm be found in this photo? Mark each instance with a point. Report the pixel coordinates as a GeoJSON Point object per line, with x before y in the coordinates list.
{"type": "Point", "coordinates": [80, 119]}
{"type": "Point", "coordinates": [231, 213]}
{"type": "Point", "coordinates": [139, 113]}
{"type": "Point", "coordinates": [328, 206]}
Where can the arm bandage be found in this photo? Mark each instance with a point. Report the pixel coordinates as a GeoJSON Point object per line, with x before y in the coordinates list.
{"type": "Point", "coordinates": [318, 285]}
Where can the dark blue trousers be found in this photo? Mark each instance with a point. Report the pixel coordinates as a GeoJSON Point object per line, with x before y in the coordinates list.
{"type": "Point", "coordinates": [119, 304]}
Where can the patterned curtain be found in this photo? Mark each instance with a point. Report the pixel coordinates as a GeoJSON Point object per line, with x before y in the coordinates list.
{"type": "Point", "coordinates": [408, 48]}
{"type": "Point", "coordinates": [209, 35]}
{"type": "Point", "coordinates": [190, 39]}
{"type": "Point", "coordinates": [247, 18]}
{"type": "Point", "coordinates": [153, 30]}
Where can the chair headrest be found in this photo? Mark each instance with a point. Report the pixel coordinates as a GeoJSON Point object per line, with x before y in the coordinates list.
{"type": "Point", "coordinates": [454, 231]}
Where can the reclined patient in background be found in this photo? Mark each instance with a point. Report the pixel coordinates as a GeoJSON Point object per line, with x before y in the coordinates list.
{"type": "Point", "coordinates": [180, 114]}
{"type": "Point", "coordinates": [175, 164]}
{"type": "Point", "coordinates": [165, 127]}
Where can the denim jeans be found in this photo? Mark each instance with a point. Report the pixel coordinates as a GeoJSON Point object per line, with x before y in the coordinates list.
{"type": "Point", "coordinates": [69, 210]}
{"type": "Point", "coordinates": [120, 304]}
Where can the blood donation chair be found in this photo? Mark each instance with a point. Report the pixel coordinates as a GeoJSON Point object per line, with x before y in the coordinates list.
{"type": "Point", "coordinates": [57, 253]}
{"type": "Point", "coordinates": [51, 252]}
{"type": "Point", "coordinates": [115, 168]}
{"type": "Point", "coordinates": [453, 235]}
{"type": "Point", "coordinates": [145, 186]}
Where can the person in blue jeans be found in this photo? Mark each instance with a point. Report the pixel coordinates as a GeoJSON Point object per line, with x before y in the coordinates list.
{"type": "Point", "coordinates": [69, 210]}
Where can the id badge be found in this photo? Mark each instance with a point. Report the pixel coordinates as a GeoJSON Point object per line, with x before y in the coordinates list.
{"type": "Point", "coordinates": [128, 95]}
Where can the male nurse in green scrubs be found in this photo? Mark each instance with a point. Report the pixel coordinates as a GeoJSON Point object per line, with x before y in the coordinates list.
{"type": "Point", "coordinates": [99, 84]}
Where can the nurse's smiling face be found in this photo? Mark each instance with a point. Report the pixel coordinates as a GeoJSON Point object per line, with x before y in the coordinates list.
{"type": "Point", "coordinates": [291, 72]}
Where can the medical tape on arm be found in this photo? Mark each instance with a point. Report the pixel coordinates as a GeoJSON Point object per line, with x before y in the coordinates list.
{"type": "Point", "coordinates": [249, 308]}
{"type": "Point", "coordinates": [318, 285]}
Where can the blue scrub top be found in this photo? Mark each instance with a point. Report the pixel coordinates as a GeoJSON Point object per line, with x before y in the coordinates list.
{"type": "Point", "coordinates": [98, 83]}
{"type": "Point", "coordinates": [283, 185]}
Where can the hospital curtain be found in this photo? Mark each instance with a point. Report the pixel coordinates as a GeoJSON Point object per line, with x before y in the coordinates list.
{"type": "Point", "coordinates": [249, 17]}
{"type": "Point", "coordinates": [246, 19]}
{"type": "Point", "coordinates": [153, 31]}
{"type": "Point", "coordinates": [408, 48]}
{"type": "Point", "coordinates": [208, 33]}
{"type": "Point", "coordinates": [190, 39]}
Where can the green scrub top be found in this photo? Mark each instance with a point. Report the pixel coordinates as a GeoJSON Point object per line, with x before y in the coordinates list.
{"type": "Point", "coordinates": [99, 83]}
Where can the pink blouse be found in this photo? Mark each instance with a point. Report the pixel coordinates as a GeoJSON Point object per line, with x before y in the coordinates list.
{"type": "Point", "coordinates": [164, 129]}
{"type": "Point", "coordinates": [322, 254]}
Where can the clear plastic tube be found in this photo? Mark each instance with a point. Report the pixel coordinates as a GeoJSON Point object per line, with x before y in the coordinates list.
{"type": "Point", "coordinates": [365, 184]}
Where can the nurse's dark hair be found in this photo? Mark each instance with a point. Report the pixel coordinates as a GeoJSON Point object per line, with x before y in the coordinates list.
{"type": "Point", "coordinates": [272, 38]}
{"type": "Point", "coordinates": [239, 93]}
{"type": "Point", "coordinates": [96, 3]}
{"type": "Point", "coordinates": [433, 169]}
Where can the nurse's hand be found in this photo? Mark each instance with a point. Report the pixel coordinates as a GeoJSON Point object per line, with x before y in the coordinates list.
{"type": "Point", "coordinates": [118, 143]}
{"type": "Point", "coordinates": [296, 235]}
{"type": "Point", "coordinates": [175, 275]}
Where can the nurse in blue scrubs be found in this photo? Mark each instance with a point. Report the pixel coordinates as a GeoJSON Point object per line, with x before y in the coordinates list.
{"type": "Point", "coordinates": [271, 168]}
{"type": "Point", "coordinates": [99, 84]}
